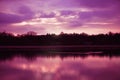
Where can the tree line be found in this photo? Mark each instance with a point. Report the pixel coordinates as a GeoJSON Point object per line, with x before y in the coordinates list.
{"type": "Point", "coordinates": [31, 38]}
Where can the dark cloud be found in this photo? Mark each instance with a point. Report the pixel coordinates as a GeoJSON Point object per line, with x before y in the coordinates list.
{"type": "Point", "coordinates": [47, 15]}
{"type": "Point", "coordinates": [24, 13]}
{"type": "Point", "coordinates": [67, 12]}
{"type": "Point", "coordinates": [74, 24]}
{"type": "Point", "coordinates": [108, 14]}
{"type": "Point", "coordinates": [6, 18]}
{"type": "Point", "coordinates": [85, 3]}
{"type": "Point", "coordinates": [99, 3]}
{"type": "Point", "coordinates": [65, 3]}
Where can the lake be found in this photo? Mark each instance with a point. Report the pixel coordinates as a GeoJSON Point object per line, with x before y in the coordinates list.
{"type": "Point", "coordinates": [51, 66]}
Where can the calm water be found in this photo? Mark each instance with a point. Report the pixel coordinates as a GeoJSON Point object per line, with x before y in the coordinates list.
{"type": "Point", "coordinates": [60, 68]}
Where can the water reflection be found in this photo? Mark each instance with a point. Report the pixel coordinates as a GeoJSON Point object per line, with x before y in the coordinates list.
{"type": "Point", "coordinates": [59, 67]}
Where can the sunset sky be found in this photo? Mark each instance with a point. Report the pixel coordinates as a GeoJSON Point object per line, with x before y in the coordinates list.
{"type": "Point", "coordinates": [55, 16]}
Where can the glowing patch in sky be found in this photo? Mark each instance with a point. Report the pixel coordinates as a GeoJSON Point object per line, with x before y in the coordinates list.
{"type": "Point", "coordinates": [59, 16]}
{"type": "Point", "coordinates": [99, 23]}
{"type": "Point", "coordinates": [39, 21]}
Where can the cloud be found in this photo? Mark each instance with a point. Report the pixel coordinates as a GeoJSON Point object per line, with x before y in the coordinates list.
{"type": "Point", "coordinates": [24, 13]}
{"type": "Point", "coordinates": [110, 15]}
{"type": "Point", "coordinates": [6, 18]}
{"type": "Point", "coordinates": [47, 15]}
{"type": "Point", "coordinates": [99, 3]}
{"type": "Point", "coordinates": [74, 24]}
{"type": "Point", "coordinates": [67, 13]}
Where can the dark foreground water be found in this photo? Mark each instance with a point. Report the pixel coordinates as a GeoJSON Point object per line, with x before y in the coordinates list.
{"type": "Point", "coordinates": [86, 66]}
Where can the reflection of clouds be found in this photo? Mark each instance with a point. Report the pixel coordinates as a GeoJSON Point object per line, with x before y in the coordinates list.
{"type": "Point", "coordinates": [67, 74]}
{"type": "Point", "coordinates": [11, 73]}
{"type": "Point", "coordinates": [96, 62]}
{"type": "Point", "coordinates": [40, 65]}
{"type": "Point", "coordinates": [90, 68]}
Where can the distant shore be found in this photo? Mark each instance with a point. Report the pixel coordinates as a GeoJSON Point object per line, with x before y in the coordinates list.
{"type": "Point", "coordinates": [44, 46]}
{"type": "Point", "coordinates": [57, 48]}
{"type": "Point", "coordinates": [87, 41]}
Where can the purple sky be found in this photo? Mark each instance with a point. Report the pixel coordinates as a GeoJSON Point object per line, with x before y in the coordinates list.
{"type": "Point", "coordinates": [55, 16]}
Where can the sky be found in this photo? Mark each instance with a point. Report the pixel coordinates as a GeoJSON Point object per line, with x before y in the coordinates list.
{"type": "Point", "coordinates": [56, 16]}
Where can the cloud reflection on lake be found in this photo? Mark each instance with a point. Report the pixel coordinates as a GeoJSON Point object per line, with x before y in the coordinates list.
{"type": "Point", "coordinates": [55, 68]}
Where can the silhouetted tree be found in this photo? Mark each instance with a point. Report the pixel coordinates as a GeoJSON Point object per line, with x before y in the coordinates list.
{"type": "Point", "coordinates": [31, 33]}
{"type": "Point", "coordinates": [31, 38]}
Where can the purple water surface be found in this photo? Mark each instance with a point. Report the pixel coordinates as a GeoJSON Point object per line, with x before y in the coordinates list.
{"type": "Point", "coordinates": [56, 68]}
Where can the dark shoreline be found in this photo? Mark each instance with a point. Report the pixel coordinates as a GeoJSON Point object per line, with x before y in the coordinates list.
{"type": "Point", "coordinates": [61, 48]}
{"type": "Point", "coordinates": [83, 51]}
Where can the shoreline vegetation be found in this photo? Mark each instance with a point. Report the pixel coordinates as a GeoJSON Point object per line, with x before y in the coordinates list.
{"type": "Point", "coordinates": [63, 45]}
{"type": "Point", "coordinates": [59, 43]}
{"type": "Point", "coordinates": [63, 39]}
